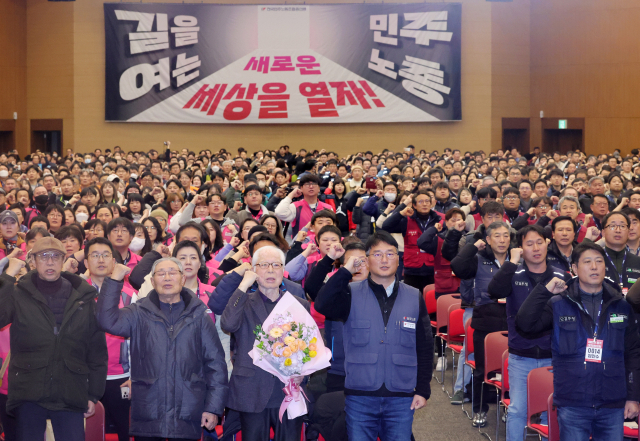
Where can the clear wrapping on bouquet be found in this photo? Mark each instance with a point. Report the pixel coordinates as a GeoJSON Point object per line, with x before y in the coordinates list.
{"type": "Point", "coordinates": [289, 345]}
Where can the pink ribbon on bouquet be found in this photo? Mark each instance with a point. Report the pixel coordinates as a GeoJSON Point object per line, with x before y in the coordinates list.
{"type": "Point", "coordinates": [292, 393]}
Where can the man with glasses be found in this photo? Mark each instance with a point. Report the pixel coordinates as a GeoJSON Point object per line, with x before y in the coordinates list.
{"type": "Point", "coordinates": [623, 267]}
{"type": "Point", "coordinates": [100, 261]}
{"type": "Point", "coordinates": [515, 175]}
{"type": "Point", "coordinates": [524, 187]}
{"type": "Point", "coordinates": [120, 232]}
{"type": "Point", "coordinates": [599, 208]}
{"type": "Point", "coordinates": [58, 351]}
{"type": "Point", "coordinates": [255, 393]}
{"type": "Point", "coordinates": [387, 343]}
{"type": "Point", "coordinates": [178, 370]}
{"type": "Point", "coordinates": [299, 213]}
{"type": "Point", "coordinates": [254, 208]}
{"type": "Point", "coordinates": [511, 203]}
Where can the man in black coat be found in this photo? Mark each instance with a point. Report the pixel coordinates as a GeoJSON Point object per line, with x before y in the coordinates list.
{"type": "Point", "coordinates": [58, 365]}
{"type": "Point", "coordinates": [178, 370]}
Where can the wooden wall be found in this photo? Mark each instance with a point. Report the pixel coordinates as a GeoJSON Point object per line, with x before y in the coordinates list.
{"type": "Point", "coordinates": [585, 63]}
{"type": "Point", "coordinates": [13, 67]}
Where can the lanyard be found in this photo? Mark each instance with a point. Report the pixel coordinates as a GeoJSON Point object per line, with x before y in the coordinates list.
{"type": "Point", "coordinates": [624, 259]}
{"type": "Point", "coordinates": [597, 320]}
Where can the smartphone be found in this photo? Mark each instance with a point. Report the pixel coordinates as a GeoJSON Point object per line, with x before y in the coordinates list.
{"type": "Point", "coordinates": [370, 183]}
{"type": "Point", "coordinates": [125, 393]}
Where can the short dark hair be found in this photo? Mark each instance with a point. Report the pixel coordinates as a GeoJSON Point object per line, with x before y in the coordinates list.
{"type": "Point", "coordinates": [264, 237]}
{"type": "Point", "coordinates": [121, 222]}
{"type": "Point", "coordinates": [32, 233]}
{"type": "Point", "coordinates": [563, 218]}
{"type": "Point", "coordinates": [70, 231]}
{"type": "Point", "coordinates": [377, 237]}
{"type": "Point", "coordinates": [328, 229]}
{"type": "Point", "coordinates": [631, 212]}
{"type": "Point", "coordinates": [449, 214]}
{"type": "Point", "coordinates": [584, 247]}
{"type": "Point", "coordinates": [492, 207]}
{"type": "Point", "coordinates": [554, 172]}
{"type": "Point", "coordinates": [599, 195]}
{"type": "Point", "coordinates": [510, 190]}
{"type": "Point", "coordinates": [324, 213]}
{"type": "Point", "coordinates": [355, 245]}
{"type": "Point", "coordinates": [522, 233]}
{"type": "Point", "coordinates": [614, 213]}
{"type": "Point", "coordinates": [309, 178]}
{"type": "Point", "coordinates": [487, 192]}
{"type": "Point", "coordinates": [97, 241]}
{"type": "Point", "coordinates": [40, 218]}
{"type": "Point", "coordinates": [538, 201]}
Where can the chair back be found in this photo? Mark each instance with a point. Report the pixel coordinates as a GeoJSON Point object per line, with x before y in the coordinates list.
{"type": "Point", "coordinates": [429, 294]}
{"type": "Point", "coordinates": [469, 340]}
{"type": "Point", "coordinates": [539, 387]}
{"type": "Point", "coordinates": [455, 327]}
{"type": "Point", "coordinates": [443, 305]}
{"type": "Point", "coordinates": [495, 344]}
{"type": "Point", "coordinates": [94, 428]}
{"type": "Point", "coordinates": [552, 415]}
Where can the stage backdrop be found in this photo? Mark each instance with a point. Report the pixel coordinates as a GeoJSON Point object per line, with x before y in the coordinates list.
{"type": "Point", "coordinates": [346, 63]}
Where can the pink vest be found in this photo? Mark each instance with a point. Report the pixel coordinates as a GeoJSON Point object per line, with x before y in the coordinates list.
{"type": "Point", "coordinates": [4, 350]}
{"type": "Point", "coordinates": [203, 295]}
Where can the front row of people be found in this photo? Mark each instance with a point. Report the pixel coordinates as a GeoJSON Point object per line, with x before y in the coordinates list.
{"type": "Point", "coordinates": [582, 326]}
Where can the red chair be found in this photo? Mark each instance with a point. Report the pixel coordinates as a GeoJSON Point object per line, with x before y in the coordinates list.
{"type": "Point", "coordinates": [632, 433]}
{"type": "Point", "coordinates": [504, 401]}
{"type": "Point", "coordinates": [470, 363]}
{"type": "Point", "coordinates": [454, 340]}
{"type": "Point", "coordinates": [442, 318]}
{"type": "Point", "coordinates": [94, 429]}
{"type": "Point", "coordinates": [539, 387]}
{"type": "Point", "coordinates": [495, 344]}
{"type": "Point", "coordinates": [552, 415]}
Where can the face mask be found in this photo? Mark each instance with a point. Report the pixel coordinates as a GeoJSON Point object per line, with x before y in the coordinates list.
{"type": "Point", "coordinates": [390, 197]}
{"type": "Point", "coordinates": [42, 199]}
{"type": "Point", "coordinates": [215, 169]}
{"type": "Point", "coordinates": [87, 161]}
{"type": "Point", "coordinates": [134, 176]}
{"type": "Point", "coordinates": [262, 184]}
{"type": "Point", "coordinates": [81, 217]}
{"type": "Point", "coordinates": [136, 244]}
{"type": "Point", "coordinates": [4, 173]}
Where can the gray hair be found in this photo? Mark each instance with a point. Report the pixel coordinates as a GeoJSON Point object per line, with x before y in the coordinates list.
{"type": "Point", "coordinates": [596, 178]}
{"type": "Point", "coordinates": [258, 253]}
{"type": "Point", "coordinates": [165, 259]}
{"type": "Point", "coordinates": [495, 225]}
{"type": "Point", "coordinates": [570, 199]}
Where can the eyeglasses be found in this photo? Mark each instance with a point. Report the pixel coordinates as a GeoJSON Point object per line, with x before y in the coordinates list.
{"type": "Point", "coordinates": [601, 204]}
{"type": "Point", "coordinates": [614, 227]}
{"type": "Point", "coordinates": [216, 203]}
{"type": "Point", "coordinates": [310, 184]}
{"type": "Point", "coordinates": [97, 256]}
{"type": "Point", "coordinates": [55, 257]}
{"type": "Point", "coordinates": [378, 256]}
{"type": "Point", "coordinates": [99, 230]}
{"type": "Point", "coordinates": [171, 274]}
{"type": "Point", "coordinates": [265, 265]}
{"type": "Point", "coordinates": [119, 230]}
{"type": "Point", "coordinates": [511, 198]}
{"type": "Point", "coordinates": [423, 201]}
{"type": "Point", "coordinates": [55, 215]}
{"type": "Point", "coordinates": [359, 262]}
{"type": "Point", "coordinates": [543, 207]}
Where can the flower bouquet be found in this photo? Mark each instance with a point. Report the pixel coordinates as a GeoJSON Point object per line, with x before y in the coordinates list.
{"type": "Point", "coordinates": [289, 345]}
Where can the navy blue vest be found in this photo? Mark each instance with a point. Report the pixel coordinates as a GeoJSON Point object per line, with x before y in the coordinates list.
{"type": "Point", "coordinates": [521, 287]}
{"type": "Point", "coordinates": [487, 268]}
{"type": "Point", "coordinates": [375, 354]}
{"type": "Point", "coordinates": [586, 384]}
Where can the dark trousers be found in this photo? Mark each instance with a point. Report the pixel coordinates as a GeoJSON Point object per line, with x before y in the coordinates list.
{"type": "Point", "coordinates": [418, 282]}
{"type": "Point", "coordinates": [255, 426]}
{"type": "Point", "coordinates": [116, 409]}
{"type": "Point", "coordinates": [328, 417]}
{"type": "Point", "coordinates": [32, 423]}
{"type": "Point", "coordinates": [335, 383]}
{"type": "Point", "coordinates": [8, 422]}
{"type": "Point", "coordinates": [478, 372]}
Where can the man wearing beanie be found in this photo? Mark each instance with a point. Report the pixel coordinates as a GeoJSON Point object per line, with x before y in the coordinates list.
{"type": "Point", "coordinates": [59, 357]}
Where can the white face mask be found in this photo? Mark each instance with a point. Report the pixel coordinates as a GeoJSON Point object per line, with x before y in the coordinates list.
{"type": "Point", "coordinates": [390, 197]}
{"type": "Point", "coordinates": [262, 184]}
{"type": "Point", "coordinates": [4, 173]}
{"type": "Point", "coordinates": [81, 217]}
{"type": "Point", "coordinates": [136, 244]}
{"type": "Point", "coordinates": [134, 176]}
{"type": "Point", "coordinates": [215, 169]}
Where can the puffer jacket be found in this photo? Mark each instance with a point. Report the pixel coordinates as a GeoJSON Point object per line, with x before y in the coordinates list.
{"type": "Point", "coordinates": [177, 371]}
{"type": "Point", "coordinates": [58, 371]}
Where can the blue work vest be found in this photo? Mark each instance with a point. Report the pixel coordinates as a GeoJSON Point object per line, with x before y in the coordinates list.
{"type": "Point", "coordinates": [375, 354]}
{"type": "Point", "coordinates": [588, 384]}
{"type": "Point", "coordinates": [487, 268]}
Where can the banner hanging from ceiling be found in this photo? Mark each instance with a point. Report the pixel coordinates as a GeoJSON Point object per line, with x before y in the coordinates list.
{"type": "Point", "coordinates": [274, 64]}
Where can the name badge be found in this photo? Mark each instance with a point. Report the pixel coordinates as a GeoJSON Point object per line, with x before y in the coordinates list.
{"type": "Point", "coordinates": [408, 325]}
{"type": "Point", "coordinates": [625, 291]}
{"type": "Point", "coordinates": [594, 351]}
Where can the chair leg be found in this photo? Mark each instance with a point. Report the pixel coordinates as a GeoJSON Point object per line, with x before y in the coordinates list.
{"type": "Point", "coordinates": [481, 400]}
{"type": "Point", "coordinates": [453, 373]}
{"type": "Point", "coordinates": [442, 372]}
{"type": "Point", "coordinates": [464, 365]}
{"type": "Point", "coordinates": [498, 417]}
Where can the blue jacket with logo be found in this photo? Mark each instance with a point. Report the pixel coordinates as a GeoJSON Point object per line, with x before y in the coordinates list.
{"type": "Point", "coordinates": [578, 383]}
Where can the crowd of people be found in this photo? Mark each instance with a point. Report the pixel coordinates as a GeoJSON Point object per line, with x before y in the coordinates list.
{"type": "Point", "coordinates": [138, 279]}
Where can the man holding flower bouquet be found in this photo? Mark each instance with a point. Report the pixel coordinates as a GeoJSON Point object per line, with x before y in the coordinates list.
{"type": "Point", "coordinates": [254, 392]}
{"type": "Point", "coordinates": [387, 343]}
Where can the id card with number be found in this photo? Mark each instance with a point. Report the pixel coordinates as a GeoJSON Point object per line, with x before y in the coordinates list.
{"type": "Point", "coordinates": [594, 351]}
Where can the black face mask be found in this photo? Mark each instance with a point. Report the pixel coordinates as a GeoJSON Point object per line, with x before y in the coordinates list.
{"type": "Point", "coordinates": [42, 199]}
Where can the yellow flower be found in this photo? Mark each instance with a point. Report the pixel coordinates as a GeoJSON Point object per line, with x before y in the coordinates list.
{"type": "Point", "coordinates": [287, 362]}
{"type": "Point", "coordinates": [312, 354]}
{"type": "Point", "coordinates": [288, 340]}
{"type": "Point", "coordinates": [275, 332]}
{"type": "Point", "coordinates": [314, 340]}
